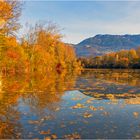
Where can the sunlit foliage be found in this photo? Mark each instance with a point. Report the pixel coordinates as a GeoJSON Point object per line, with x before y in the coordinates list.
{"type": "Point", "coordinates": [121, 59]}
{"type": "Point", "coordinates": [46, 51]}
{"type": "Point", "coordinates": [10, 11]}
{"type": "Point", "coordinates": [40, 50]}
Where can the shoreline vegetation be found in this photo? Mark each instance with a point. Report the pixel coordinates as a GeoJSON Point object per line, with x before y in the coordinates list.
{"type": "Point", "coordinates": [123, 59]}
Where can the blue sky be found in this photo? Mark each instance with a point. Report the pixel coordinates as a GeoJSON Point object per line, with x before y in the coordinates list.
{"type": "Point", "coordinates": [81, 19]}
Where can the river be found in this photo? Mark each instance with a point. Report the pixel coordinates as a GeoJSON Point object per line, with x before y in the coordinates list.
{"type": "Point", "coordinates": [93, 104]}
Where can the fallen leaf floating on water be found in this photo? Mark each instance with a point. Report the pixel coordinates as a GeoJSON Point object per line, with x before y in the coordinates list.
{"type": "Point", "coordinates": [87, 93]}
{"type": "Point", "coordinates": [53, 136]}
{"type": "Point", "coordinates": [136, 114]}
{"type": "Point", "coordinates": [47, 138]}
{"type": "Point", "coordinates": [33, 122]}
{"type": "Point", "coordinates": [101, 108]}
{"type": "Point", "coordinates": [72, 136]}
{"type": "Point", "coordinates": [89, 101]}
{"type": "Point", "coordinates": [87, 115]}
{"type": "Point", "coordinates": [137, 136]}
{"type": "Point", "coordinates": [78, 105]}
{"type": "Point", "coordinates": [57, 109]}
{"type": "Point", "coordinates": [110, 96]}
{"type": "Point", "coordinates": [92, 108]}
{"type": "Point", "coordinates": [48, 117]}
{"type": "Point", "coordinates": [45, 132]}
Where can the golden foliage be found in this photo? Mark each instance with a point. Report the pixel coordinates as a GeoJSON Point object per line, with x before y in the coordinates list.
{"type": "Point", "coordinates": [9, 14]}
{"type": "Point", "coordinates": [120, 59]}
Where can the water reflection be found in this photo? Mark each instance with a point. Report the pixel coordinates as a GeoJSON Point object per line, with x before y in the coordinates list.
{"type": "Point", "coordinates": [38, 92]}
{"type": "Point", "coordinates": [111, 84]}
{"type": "Point", "coordinates": [119, 76]}
{"type": "Point", "coordinates": [71, 105]}
{"type": "Point", "coordinates": [9, 116]}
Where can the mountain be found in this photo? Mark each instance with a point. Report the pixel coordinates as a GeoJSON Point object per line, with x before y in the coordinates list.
{"type": "Point", "coordinates": [101, 44]}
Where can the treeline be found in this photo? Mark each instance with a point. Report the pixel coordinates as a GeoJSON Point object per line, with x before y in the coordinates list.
{"type": "Point", "coordinates": [120, 59]}
{"type": "Point", "coordinates": [40, 50]}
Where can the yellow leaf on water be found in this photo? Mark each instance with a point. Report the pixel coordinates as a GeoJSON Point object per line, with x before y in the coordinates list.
{"type": "Point", "coordinates": [57, 109]}
{"type": "Point", "coordinates": [72, 136]}
{"type": "Point", "coordinates": [89, 101]}
{"type": "Point", "coordinates": [87, 115]}
{"type": "Point", "coordinates": [47, 138]}
{"type": "Point", "coordinates": [45, 132]}
{"type": "Point", "coordinates": [54, 136]}
{"type": "Point", "coordinates": [78, 105]}
{"type": "Point", "coordinates": [101, 108]}
{"type": "Point", "coordinates": [136, 114]}
{"type": "Point", "coordinates": [92, 108]}
{"type": "Point", "coordinates": [33, 122]}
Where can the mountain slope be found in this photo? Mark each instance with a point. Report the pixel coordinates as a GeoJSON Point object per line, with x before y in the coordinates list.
{"type": "Point", "coordinates": [101, 44]}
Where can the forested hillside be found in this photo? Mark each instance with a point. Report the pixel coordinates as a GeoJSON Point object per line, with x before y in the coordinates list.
{"type": "Point", "coordinates": [102, 44]}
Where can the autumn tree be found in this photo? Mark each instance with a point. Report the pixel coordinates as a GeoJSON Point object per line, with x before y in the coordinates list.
{"type": "Point", "coordinates": [46, 51]}
{"type": "Point", "coordinates": [9, 15]}
{"type": "Point", "coordinates": [10, 11]}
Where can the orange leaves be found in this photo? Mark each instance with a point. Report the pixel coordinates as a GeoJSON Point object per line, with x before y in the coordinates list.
{"type": "Point", "coordinates": [136, 114]}
{"type": "Point", "coordinates": [120, 59]}
{"type": "Point", "coordinates": [93, 108]}
{"type": "Point", "coordinates": [47, 52]}
{"type": "Point", "coordinates": [5, 10]}
{"type": "Point", "coordinates": [9, 13]}
{"type": "Point", "coordinates": [124, 59]}
{"type": "Point", "coordinates": [78, 105]}
{"type": "Point", "coordinates": [132, 54]}
{"type": "Point", "coordinates": [12, 54]}
{"type": "Point", "coordinates": [11, 42]}
{"type": "Point", "coordinates": [72, 136]}
{"type": "Point", "coordinates": [45, 132]}
{"type": "Point", "coordinates": [42, 51]}
{"type": "Point", "coordinates": [14, 86]}
{"type": "Point", "coordinates": [87, 115]}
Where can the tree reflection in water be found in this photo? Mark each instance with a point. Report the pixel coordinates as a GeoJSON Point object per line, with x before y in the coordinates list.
{"type": "Point", "coordinates": [36, 102]}
{"type": "Point", "coordinates": [36, 91]}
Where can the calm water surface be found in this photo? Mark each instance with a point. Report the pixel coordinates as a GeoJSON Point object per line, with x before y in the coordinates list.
{"type": "Point", "coordinates": [93, 104]}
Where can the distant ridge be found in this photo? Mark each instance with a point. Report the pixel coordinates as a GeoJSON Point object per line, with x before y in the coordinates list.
{"type": "Point", "coordinates": [101, 44]}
